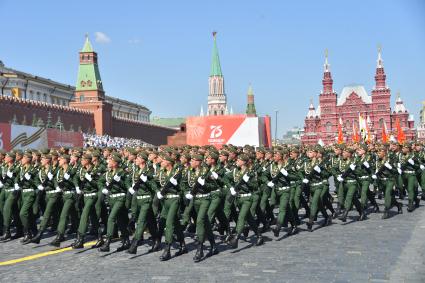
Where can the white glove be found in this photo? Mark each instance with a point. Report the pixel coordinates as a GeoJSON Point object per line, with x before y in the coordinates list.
{"type": "Point", "coordinates": [399, 165]}
{"type": "Point", "coordinates": [66, 176]}
{"type": "Point", "coordinates": [58, 189]}
{"type": "Point", "coordinates": [201, 181]}
{"type": "Point", "coordinates": [189, 196]}
{"type": "Point", "coordinates": [284, 172]}
{"type": "Point", "coordinates": [27, 176]}
{"type": "Point", "coordinates": [270, 184]}
{"type": "Point", "coordinates": [105, 191]}
{"type": "Point", "coordinates": [317, 169]}
{"type": "Point", "coordinates": [17, 186]}
{"type": "Point", "coordinates": [264, 168]}
{"type": "Point", "coordinates": [305, 181]}
{"type": "Point", "coordinates": [245, 178]}
{"type": "Point", "coordinates": [144, 178]}
{"type": "Point", "coordinates": [159, 195]}
{"type": "Point", "coordinates": [388, 165]}
{"type": "Point", "coordinates": [339, 178]}
{"type": "Point", "coordinates": [411, 161]}
{"type": "Point", "coordinates": [399, 171]}
{"type": "Point", "coordinates": [366, 164]}
{"type": "Point", "coordinates": [1, 184]}
{"type": "Point", "coordinates": [77, 189]}
{"type": "Point", "coordinates": [50, 176]}
{"type": "Point", "coordinates": [371, 189]}
{"type": "Point", "coordinates": [40, 188]}
{"type": "Point", "coordinates": [88, 177]}
{"type": "Point", "coordinates": [232, 191]}
{"type": "Point", "coordinates": [9, 174]}
{"type": "Point", "coordinates": [117, 178]}
{"type": "Point", "coordinates": [173, 181]}
{"type": "Point", "coordinates": [214, 175]}
{"type": "Point", "coordinates": [374, 177]}
{"type": "Point", "coordinates": [131, 190]}
{"type": "Point", "coordinates": [352, 166]}
{"type": "Point", "coordinates": [422, 167]}
{"type": "Point", "coordinates": [107, 184]}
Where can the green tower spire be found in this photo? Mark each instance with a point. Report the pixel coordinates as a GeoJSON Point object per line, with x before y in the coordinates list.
{"type": "Point", "coordinates": [88, 70]}
{"type": "Point", "coordinates": [215, 66]}
{"type": "Point", "coordinates": [250, 108]}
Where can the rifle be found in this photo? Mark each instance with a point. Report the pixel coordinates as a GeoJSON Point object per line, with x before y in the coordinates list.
{"type": "Point", "coordinates": [169, 185]}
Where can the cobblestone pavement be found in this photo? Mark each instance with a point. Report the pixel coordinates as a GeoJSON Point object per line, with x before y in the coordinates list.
{"type": "Point", "coordinates": [374, 250]}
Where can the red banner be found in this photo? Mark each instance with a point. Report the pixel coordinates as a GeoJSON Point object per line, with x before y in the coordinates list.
{"type": "Point", "coordinates": [5, 136]}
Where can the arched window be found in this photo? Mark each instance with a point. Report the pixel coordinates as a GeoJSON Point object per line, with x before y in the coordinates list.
{"type": "Point", "coordinates": [82, 98]}
{"type": "Point", "coordinates": [381, 122]}
{"type": "Point", "coordinates": [347, 124]}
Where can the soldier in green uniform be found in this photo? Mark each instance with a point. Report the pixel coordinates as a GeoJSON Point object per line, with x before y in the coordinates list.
{"type": "Point", "coordinates": [279, 180]}
{"type": "Point", "coordinates": [407, 168]}
{"type": "Point", "coordinates": [2, 190]}
{"type": "Point", "coordinates": [86, 185]}
{"type": "Point", "coordinates": [143, 186]}
{"type": "Point", "coordinates": [348, 178]}
{"type": "Point", "coordinates": [420, 174]}
{"type": "Point", "coordinates": [200, 184]}
{"type": "Point", "coordinates": [242, 183]}
{"type": "Point", "coordinates": [385, 173]}
{"type": "Point", "coordinates": [24, 183]}
{"type": "Point", "coordinates": [188, 211]}
{"type": "Point", "coordinates": [365, 165]}
{"type": "Point", "coordinates": [64, 182]}
{"type": "Point", "coordinates": [114, 187]}
{"type": "Point", "coordinates": [45, 183]}
{"type": "Point", "coordinates": [169, 178]}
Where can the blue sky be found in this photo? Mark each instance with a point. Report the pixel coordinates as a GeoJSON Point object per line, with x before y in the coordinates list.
{"type": "Point", "coordinates": [158, 53]}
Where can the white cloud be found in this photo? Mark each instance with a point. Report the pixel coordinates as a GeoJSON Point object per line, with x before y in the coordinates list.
{"type": "Point", "coordinates": [101, 37]}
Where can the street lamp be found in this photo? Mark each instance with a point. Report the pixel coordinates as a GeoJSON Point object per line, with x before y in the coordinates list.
{"type": "Point", "coordinates": [275, 127]}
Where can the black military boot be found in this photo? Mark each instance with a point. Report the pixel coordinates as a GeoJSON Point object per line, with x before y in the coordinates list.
{"type": "Point", "coordinates": [233, 242]}
{"type": "Point", "coordinates": [6, 236]}
{"type": "Point", "coordinates": [125, 244]}
{"type": "Point", "coordinates": [182, 249]}
{"type": "Point", "coordinates": [310, 225]}
{"type": "Point", "coordinates": [166, 255]}
{"type": "Point", "coordinates": [57, 241]}
{"type": "Point", "coordinates": [99, 242]}
{"type": "Point", "coordinates": [417, 201]}
{"type": "Point", "coordinates": [423, 195]}
{"type": "Point", "coordinates": [213, 249]}
{"type": "Point", "coordinates": [105, 245]}
{"type": "Point", "coordinates": [276, 230]}
{"type": "Point", "coordinates": [362, 214]}
{"type": "Point", "coordinates": [79, 242]}
{"type": "Point", "coordinates": [410, 206]}
{"type": "Point", "coordinates": [344, 215]}
{"type": "Point", "coordinates": [375, 207]}
{"type": "Point", "coordinates": [156, 245]}
{"type": "Point", "coordinates": [399, 208]}
{"type": "Point", "coordinates": [246, 231]}
{"type": "Point", "coordinates": [199, 253]}
{"type": "Point", "coordinates": [260, 240]}
{"type": "Point", "coordinates": [37, 238]}
{"type": "Point", "coordinates": [133, 247]}
{"type": "Point", "coordinates": [385, 215]}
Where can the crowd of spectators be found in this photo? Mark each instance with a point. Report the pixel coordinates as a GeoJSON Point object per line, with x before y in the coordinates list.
{"type": "Point", "coordinates": [108, 141]}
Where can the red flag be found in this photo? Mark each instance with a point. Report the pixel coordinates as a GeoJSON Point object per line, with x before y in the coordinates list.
{"type": "Point", "coordinates": [384, 133]}
{"type": "Point", "coordinates": [340, 135]}
{"type": "Point", "coordinates": [400, 134]}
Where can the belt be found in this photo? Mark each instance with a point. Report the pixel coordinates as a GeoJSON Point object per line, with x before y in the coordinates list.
{"type": "Point", "coordinates": [293, 182]}
{"type": "Point", "coordinates": [90, 195]}
{"type": "Point", "coordinates": [11, 190]}
{"type": "Point", "coordinates": [51, 192]}
{"type": "Point", "coordinates": [364, 177]}
{"type": "Point", "coordinates": [316, 184]}
{"type": "Point", "coordinates": [245, 195]}
{"type": "Point", "coordinates": [27, 190]}
{"type": "Point", "coordinates": [172, 196]}
{"type": "Point", "coordinates": [409, 172]}
{"type": "Point", "coordinates": [143, 197]}
{"type": "Point", "coordinates": [218, 190]}
{"type": "Point", "coordinates": [351, 181]}
{"type": "Point", "coordinates": [68, 192]}
{"type": "Point", "coordinates": [117, 195]}
{"type": "Point", "coordinates": [283, 188]}
{"type": "Point", "coordinates": [202, 195]}
{"type": "Point", "coordinates": [383, 179]}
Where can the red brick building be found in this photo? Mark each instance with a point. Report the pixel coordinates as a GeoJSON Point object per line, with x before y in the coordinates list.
{"type": "Point", "coordinates": [321, 124]}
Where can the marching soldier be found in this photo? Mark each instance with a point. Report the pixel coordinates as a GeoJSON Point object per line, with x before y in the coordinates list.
{"type": "Point", "coordinates": [407, 168]}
